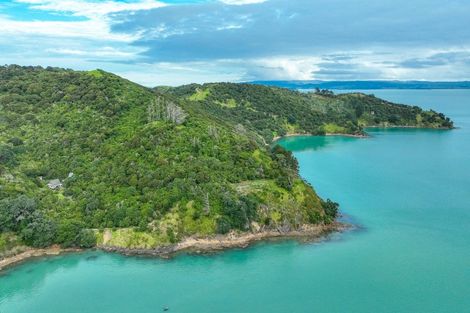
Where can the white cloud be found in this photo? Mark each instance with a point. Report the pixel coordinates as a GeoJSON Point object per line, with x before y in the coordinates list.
{"type": "Point", "coordinates": [91, 9]}
{"type": "Point", "coordinates": [284, 68]}
{"type": "Point", "coordinates": [242, 2]}
{"type": "Point", "coordinates": [288, 40]}
{"type": "Point", "coordinates": [54, 42]}
{"type": "Point", "coordinates": [95, 27]}
{"type": "Point", "coordinates": [175, 74]}
{"type": "Point", "coordinates": [104, 52]}
{"type": "Point", "coordinates": [90, 29]}
{"type": "Point", "coordinates": [85, 38]}
{"type": "Point", "coordinates": [235, 70]}
{"type": "Point", "coordinates": [229, 26]}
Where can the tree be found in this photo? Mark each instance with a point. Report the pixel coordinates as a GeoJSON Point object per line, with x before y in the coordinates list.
{"type": "Point", "coordinates": [15, 141]}
{"type": "Point", "coordinates": [40, 232]}
{"type": "Point", "coordinates": [7, 156]}
{"type": "Point", "coordinates": [223, 225]}
{"type": "Point", "coordinates": [16, 213]}
{"type": "Point", "coordinates": [331, 208]}
{"type": "Point", "coordinates": [68, 233]}
{"type": "Point", "coordinates": [162, 109]}
{"type": "Point", "coordinates": [87, 238]}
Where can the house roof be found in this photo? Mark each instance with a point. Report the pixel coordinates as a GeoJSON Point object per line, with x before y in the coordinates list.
{"type": "Point", "coordinates": [54, 183]}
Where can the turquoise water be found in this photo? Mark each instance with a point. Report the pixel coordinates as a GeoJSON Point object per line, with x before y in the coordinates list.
{"type": "Point", "coordinates": [408, 190]}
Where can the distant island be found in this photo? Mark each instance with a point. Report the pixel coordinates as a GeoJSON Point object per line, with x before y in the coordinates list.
{"type": "Point", "coordinates": [363, 85]}
{"type": "Point", "coordinates": [90, 159]}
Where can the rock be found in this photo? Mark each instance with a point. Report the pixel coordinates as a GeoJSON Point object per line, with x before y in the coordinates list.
{"type": "Point", "coordinates": [255, 227]}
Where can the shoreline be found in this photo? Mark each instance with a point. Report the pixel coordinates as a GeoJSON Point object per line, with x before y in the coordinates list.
{"type": "Point", "coordinates": [230, 241]}
{"type": "Point", "coordinates": [195, 245]}
{"type": "Point", "coordinates": [277, 138]}
{"type": "Point", "coordinates": [32, 253]}
{"type": "Point", "coordinates": [363, 136]}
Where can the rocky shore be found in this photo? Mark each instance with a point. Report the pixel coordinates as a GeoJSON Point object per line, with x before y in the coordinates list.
{"type": "Point", "coordinates": [230, 241]}
{"type": "Point", "coordinates": [327, 134]}
{"type": "Point", "coordinates": [31, 253]}
{"type": "Point", "coordinates": [365, 135]}
{"type": "Point", "coordinates": [191, 244]}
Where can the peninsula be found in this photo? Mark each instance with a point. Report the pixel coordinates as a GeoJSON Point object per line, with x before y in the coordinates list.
{"type": "Point", "coordinates": [90, 159]}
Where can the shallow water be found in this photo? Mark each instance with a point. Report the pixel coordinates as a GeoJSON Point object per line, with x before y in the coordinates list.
{"type": "Point", "coordinates": [409, 190]}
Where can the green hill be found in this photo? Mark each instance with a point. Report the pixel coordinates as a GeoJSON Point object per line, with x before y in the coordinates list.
{"type": "Point", "coordinates": [272, 111]}
{"type": "Point", "coordinates": [81, 152]}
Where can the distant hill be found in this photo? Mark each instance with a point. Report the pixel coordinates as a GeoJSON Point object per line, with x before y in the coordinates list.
{"type": "Point", "coordinates": [271, 111]}
{"type": "Point", "coordinates": [359, 85]}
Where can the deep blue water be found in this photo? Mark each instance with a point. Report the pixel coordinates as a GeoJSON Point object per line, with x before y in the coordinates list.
{"type": "Point", "coordinates": [407, 190]}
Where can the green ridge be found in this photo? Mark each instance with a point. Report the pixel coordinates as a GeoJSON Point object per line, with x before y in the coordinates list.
{"type": "Point", "coordinates": [272, 111]}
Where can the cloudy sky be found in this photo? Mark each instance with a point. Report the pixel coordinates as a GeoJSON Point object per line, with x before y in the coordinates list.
{"type": "Point", "coordinates": [173, 42]}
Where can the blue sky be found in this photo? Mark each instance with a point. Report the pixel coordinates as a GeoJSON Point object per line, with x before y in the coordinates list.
{"type": "Point", "coordinates": [181, 41]}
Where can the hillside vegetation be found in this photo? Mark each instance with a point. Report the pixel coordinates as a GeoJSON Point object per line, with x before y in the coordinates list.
{"type": "Point", "coordinates": [156, 166]}
{"type": "Point", "coordinates": [273, 112]}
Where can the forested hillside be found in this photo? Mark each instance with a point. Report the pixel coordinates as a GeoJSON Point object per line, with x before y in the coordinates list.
{"type": "Point", "coordinates": [272, 111]}
{"type": "Point", "coordinates": [81, 152]}
{"type": "Point", "coordinates": [129, 158]}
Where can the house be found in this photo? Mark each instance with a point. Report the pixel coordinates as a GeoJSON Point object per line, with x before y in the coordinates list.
{"type": "Point", "coordinates": [54, 184]}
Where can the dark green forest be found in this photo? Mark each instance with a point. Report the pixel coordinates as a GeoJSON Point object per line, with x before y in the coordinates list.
{"type": "Point", "coordinates": [84, 152]}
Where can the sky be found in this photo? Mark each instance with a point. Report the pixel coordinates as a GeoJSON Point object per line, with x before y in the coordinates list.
{"type": "Point", "coordinates": [174, 42]}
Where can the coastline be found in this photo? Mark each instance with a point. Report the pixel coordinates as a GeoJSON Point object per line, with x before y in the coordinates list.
{"type": "Point", "coordinates": [277, 138]}
{"type": "Point", "coordinates": [32, 253]}
{"type": "Point", "coordinates": [210, 244]}
{"type": "Point", "coordinates": [365, 135]}
{"type": "Point", "coordinates": [196, 245]}
{"type": "Point", "coordinates": [230, 241]}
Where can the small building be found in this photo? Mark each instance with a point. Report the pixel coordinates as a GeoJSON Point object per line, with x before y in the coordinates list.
{"type": "Point", "coordinates": [54, 184]}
